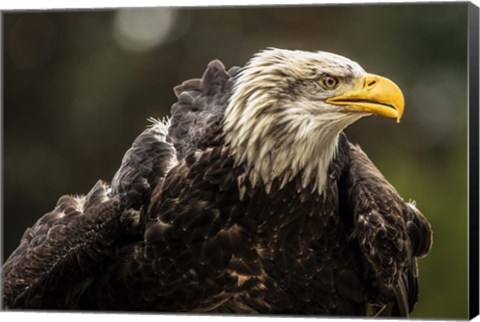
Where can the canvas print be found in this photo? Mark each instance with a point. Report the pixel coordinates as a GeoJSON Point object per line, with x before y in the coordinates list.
{"type": "Point", "coordinates": [292, 160]}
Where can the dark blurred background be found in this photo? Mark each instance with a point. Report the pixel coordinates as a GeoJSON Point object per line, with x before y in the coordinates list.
{"type": "Point", "coordinates": [79, 86]}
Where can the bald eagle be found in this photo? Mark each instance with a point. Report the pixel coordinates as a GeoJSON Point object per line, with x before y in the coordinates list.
{"type": "Point", "coordinates": [248, 199]}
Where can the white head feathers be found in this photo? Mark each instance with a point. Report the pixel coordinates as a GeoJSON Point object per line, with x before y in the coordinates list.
{"type": "Point", "coordinates": [277, 121]}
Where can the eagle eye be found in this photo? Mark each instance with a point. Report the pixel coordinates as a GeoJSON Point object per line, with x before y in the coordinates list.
{"type": "Point", "coordinates": [329, 82]}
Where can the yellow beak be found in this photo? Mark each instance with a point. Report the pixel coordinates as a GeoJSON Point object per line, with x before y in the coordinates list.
{"type": "Point", "coordinates": [373, 95]}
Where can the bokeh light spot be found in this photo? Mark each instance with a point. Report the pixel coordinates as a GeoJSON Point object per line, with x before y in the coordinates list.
{"type": "Point", "coordinates": [143, 29]}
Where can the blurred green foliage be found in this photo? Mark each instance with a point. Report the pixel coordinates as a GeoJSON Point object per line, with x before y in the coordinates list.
{"type": "Point", "coordinates": [79, 86]}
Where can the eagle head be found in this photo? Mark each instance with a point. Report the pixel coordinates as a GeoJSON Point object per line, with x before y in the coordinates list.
{"type": "Point", "coordinates": [288, 108]}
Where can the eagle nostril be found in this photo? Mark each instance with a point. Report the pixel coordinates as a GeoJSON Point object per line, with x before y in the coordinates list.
{"type": "Point", "coordinates": [371, 83]}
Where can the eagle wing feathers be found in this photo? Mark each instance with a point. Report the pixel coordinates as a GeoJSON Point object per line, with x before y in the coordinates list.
{"type": "Point", "coordinates": [391, 233]}
{"type": "Point", "coordinates": [201, 103]}
{"type": "Point", "coordinates": [61, 249]}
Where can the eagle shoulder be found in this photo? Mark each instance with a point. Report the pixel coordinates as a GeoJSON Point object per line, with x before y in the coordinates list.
{"type": "Point", "coordinates": [390, 232]}
{"type": "Point", "coordinates": [150, 157]}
